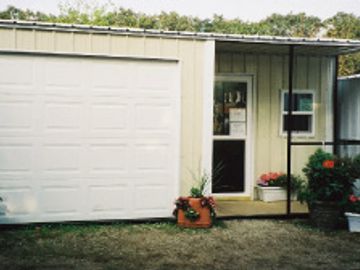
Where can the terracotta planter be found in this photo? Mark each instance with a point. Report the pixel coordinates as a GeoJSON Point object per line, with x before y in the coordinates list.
{"type": "Point", "coordinates": [204, 220]}
{"type": "Point", "coordinates": [325, 215]}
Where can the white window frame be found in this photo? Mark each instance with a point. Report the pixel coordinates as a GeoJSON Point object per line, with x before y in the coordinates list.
{"type": "Point", "coordinates": [312, 113]}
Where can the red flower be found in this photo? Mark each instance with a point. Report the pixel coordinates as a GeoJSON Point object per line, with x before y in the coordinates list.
{"type": "Point", "coordinates": [265, 177]}
{"type": "Point", "coordinates": [328, 164]}
{"type": "Point", "coordinates": [353, 198]}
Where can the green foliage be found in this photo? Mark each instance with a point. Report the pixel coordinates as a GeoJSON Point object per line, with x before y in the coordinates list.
{"type": "Point", "coordinates": [341, 25]}
{"type": "Point", "coordinates": [347, 26]}
{"type": "Point", "coordinates": [291, 25]}
{"type": "Point", "coordinates": [296, 182]}
{"type": "Point", "coordinates": [191, 214]}
{"type": "Point", "coordinates": [198, 191]}
{"type": "Point", "coordinates": [356, 167]}
{"type": "Point", "coordinates": [327, 183]}
{"type": "Point", "coordinates": [13, 13]}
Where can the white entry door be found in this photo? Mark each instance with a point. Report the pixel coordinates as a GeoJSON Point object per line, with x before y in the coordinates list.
{"type": "Point", "coordinates": [232, 135]}
{"type": "Point", "coordinates": [88, 138]}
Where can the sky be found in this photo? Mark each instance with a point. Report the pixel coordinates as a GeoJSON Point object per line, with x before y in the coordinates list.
{"type": "Point", "coordinates": [249, 10]}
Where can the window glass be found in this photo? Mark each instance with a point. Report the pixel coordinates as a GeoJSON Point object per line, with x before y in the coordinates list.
{"type": "Point", "coordinates": [303, 112]}
{"type": "Point", "coordinates": [301, 102]}
{"type": "Point", "coordinates": [229, 108]}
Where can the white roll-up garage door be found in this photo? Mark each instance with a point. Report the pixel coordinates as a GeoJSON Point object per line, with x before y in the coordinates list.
{"type": "Point", "coordinates": [88, 138]}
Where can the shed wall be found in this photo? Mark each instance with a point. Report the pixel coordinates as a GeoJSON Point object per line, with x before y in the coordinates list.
{"type": "Point", "coordinates": [270, 75]}
{"type": "Point", "coordinates": [189, 52]}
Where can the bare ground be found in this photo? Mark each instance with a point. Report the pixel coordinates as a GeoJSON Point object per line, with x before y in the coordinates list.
{"type": "Point", "coordinates": [236, 244]}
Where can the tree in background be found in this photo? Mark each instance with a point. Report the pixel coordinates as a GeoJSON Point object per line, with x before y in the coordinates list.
{"type": "Point", "coordinates": [342, 25]}
{"type": "Point", "coordinates": [291, 25]}
{"type": "Point", "coordinates": [347, 26]}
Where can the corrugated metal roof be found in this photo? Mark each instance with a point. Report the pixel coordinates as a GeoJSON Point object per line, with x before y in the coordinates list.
{"type": "Point", "coordinates": [322, 46]}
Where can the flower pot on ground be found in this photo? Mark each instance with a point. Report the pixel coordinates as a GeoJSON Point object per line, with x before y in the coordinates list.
{"type": "Point", "coordinates": [273, 187]}
{"type": "Point", "coordinates": [353, 213]}
{"type": "Point", "coordinates": [353, 221]}
{"type": "Point", "coordinates": [329, 185]}
{"type": "Point", "coordinates": [194, 212]}
{"type": "Point", "coordinates": [197, 210]}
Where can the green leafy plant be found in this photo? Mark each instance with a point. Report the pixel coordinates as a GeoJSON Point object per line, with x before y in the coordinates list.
{"type": "Point", "coordinates": [329, 178]}
{"type": "Point", "coordinates": [356, 167]}
{"type": "Point", "coordinates": [198, 191]}
{"type": "Point", "coordinates": [296, 182]}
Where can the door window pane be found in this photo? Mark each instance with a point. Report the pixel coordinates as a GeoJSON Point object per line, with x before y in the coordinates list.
{"type": "Point", "coordinates": [229, 108]}
{"type": "Point", "coordinates": [228, 166]}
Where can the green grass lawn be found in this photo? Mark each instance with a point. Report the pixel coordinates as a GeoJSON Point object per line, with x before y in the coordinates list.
{"type": "Point", "coordinates": [236, 244]}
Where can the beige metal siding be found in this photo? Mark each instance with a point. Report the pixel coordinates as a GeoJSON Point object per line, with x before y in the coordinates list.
{"type": "Point", "coordinates": [189, 52]}
{"type": "Point", "coordinates": [270, 76]}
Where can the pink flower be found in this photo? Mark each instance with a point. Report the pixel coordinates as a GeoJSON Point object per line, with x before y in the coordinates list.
{"type": "Point", "coordinates": [265, 177]}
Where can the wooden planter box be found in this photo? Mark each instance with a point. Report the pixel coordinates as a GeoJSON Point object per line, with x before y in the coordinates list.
{"type": "Point", "coordinates": [273, 194]}
{"type": "Point", "coordinates": [204, 220]}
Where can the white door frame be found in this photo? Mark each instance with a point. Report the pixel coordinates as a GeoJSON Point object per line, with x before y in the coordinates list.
{"type": "Point", "coordinates": [249, 143]}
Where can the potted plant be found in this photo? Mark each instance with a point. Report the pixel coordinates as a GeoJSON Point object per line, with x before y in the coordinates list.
{"type": "Point", "coordinates": [353, 213]}
{"type": "Point", "coordinates": [272, 187]}
{"type": "Point", "coordinates": [196, 210]}
{"type": "Point", "coordinates": [329, 185]}
{"type": "Point", "coordinates": [353, 204]}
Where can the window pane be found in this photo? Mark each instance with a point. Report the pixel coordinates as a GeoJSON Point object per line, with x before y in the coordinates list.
{"type": "Point", "coordinates": [229, 108]}
{"type": "Point", "coordinates": [301, 102]}
{"type": "Point", "coordinates": [301, 123]}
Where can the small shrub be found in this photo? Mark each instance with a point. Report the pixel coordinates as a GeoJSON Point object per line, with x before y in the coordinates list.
{"type": "Point", "coordinates": [329, 178]}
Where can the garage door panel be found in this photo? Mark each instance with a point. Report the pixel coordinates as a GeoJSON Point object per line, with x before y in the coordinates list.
{"type": "Point", "coordinates": [15, 115]}
{"type": "Point", "coordinates": [60, 199]}
{"type": "Point", "coordinates": [60, 73]}
{"type": "Point", "coordinates": [20, 199]}
{"type": "Point", "coordinates": [109, 158]}
{"type": "Point", "coordinates": [59, 157]}
{"type": "Point", "coordinates": [16, 157]}
{"type": "Point", "coordinates": [109, 199]}
{"type": "Point", "coordinates": [109, 117]}
{"type": "Point", "coordinates": [151, 199]}
{"type": "Point", "coordinates": [152, 157]}
{"type": "Point", "coordinates": [153, 117]}
{"type": "Point", "coordinates": [155, 79]}
{"type": "Point", "coordinates": [156, 178]}
{"type": "Point", "coordinates": [111, 75]}
{"type": "Point", "coordinates": [62, 116]}
{"type": "Point", "coordinates": [85, 139]}
{"type": "Point", "coordinates": [11, 71]}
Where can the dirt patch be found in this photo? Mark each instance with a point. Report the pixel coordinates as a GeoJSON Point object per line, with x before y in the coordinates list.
{"type": "Point", "coordinates": [237, 244]}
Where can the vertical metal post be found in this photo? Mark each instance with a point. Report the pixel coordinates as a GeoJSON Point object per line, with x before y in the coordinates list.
{"type": "Point", "coordinates": [335, 107]}
{"type": "Point", "coordinates": [289, 128]}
